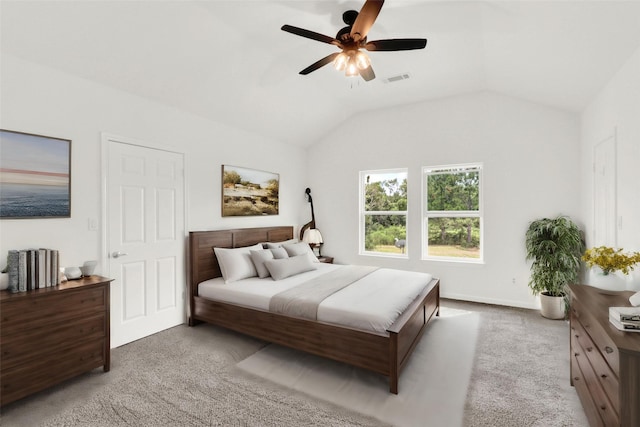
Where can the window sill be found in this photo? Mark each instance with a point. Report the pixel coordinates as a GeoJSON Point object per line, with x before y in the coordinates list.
{"type": "Point", "coordinates": [384, 255]}
{"type": "Point", "coordinates": [455, 260]}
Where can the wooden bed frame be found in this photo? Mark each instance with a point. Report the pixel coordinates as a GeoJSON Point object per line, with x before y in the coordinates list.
{"type": "Point", "coordinates": [381, 353]}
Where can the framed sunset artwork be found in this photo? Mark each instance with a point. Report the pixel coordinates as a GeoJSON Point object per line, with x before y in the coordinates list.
{"type": "Point", "coordinates": [35, 176]}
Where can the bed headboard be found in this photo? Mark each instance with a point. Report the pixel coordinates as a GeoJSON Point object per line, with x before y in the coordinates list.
{"type": "Point", "coordinates": [203, 264]}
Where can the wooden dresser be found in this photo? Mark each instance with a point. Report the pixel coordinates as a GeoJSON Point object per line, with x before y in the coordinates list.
{"type": "Point", "coordinates": [50, 335]}
{"type": "Point", "coordinates": [605, 362]}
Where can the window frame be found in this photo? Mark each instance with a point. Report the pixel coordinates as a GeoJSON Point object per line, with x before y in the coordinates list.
{"type": "Point", "coordinates": [362, 214]}
{"type": "Point", "coordinates": [426, 213]}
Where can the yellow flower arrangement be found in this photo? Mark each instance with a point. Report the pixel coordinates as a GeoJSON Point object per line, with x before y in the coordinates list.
{"type": "Point", "coordinates": [610, 260]}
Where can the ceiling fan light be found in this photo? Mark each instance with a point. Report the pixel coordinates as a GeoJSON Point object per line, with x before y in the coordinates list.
{"type": "Point", "coordinates": [352, 69]}
{"type": "Point", "coordinates": [362, 61]}
{"type": "Point", "coordinates": [341, 61]}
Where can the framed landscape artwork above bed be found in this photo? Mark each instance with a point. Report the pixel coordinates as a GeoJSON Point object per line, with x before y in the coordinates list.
{"type": "Point", "coordinates": [249, 192]}
{"type": "Point", "coordinates": [35, 176]}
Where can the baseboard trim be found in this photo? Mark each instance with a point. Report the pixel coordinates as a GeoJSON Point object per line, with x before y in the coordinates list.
{"type": "Point", "coordinates": [494, 301]}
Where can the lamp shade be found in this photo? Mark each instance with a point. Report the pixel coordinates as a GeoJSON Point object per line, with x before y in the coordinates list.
{"type": "Point", "coordinates": [312, 236]}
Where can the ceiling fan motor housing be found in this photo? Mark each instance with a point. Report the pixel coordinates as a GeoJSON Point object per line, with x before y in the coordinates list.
{"type": "Point", "coordinates": [352, 38]}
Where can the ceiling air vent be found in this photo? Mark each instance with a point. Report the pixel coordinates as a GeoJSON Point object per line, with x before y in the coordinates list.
{"type": "Point", "coordinates": [397, 78]}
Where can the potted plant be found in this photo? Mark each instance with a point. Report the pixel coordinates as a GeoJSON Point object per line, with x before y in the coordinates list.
{"type": "Point", "coordinates": [555, 245]}
{"type": "Point", "coordinates": [605, 262]}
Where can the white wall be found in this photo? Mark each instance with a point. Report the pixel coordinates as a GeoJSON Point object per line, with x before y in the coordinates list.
{"type": "Point", "coordinates": [48, 102]}
{"type": "Point", "coordinates": [528, 150]}
{"type": "Point", "coordinates": [616, 109]}
{"type": "Point", "coordinates": [531, 170]}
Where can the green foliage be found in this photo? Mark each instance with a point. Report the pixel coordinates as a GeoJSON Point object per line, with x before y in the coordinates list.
{"type": "Point", "coordinates": [464, 232]}
{"type": "Point", "coordinates": [454, 191]}
{"type": "Point", "coordinates": [389, 195]}
{"type": "Point", "coordinates": [378, 234]}
{"type": "Point", "coordinates": [555, 246]}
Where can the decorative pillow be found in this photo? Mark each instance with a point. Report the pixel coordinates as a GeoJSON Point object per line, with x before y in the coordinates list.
{"type": "Point", "coordinates": [279, 253]}
{"type": "Point", "coordinates": [273, 245]}
{"type": "Point", "coordinates": [301, 248]}
{"type": "Point", "coordinates": [236, 264]}
{"type": "Point", "coordinates": [286, 267]}
{"type": "Point", "coordinates": [259, 258]}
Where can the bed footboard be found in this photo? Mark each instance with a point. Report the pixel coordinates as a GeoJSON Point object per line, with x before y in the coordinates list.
{"type": "Point", "coordinates": [406, 331]}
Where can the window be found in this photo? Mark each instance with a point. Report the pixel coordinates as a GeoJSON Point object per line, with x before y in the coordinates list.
{"type": "Point", "coordinates": [383, 212]}
{"type": "Point", "coordinates": [453, 212]}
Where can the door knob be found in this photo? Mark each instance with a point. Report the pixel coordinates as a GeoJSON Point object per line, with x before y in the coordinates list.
{"type": "Point", "coordinates": [118, 254]}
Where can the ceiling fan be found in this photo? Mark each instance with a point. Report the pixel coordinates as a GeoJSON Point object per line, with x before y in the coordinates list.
{"type": "Point", "coordinates": [352, 38]}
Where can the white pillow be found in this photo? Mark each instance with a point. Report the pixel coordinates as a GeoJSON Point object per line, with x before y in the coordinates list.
{"type": "Point", "coordinates": [259, 258]}
{"type": "Point", "coordinates": [286, 267]}
{"type": "Point", "coordinates": [236, 264]}
{"type": "Point", "coordinates": [273, 245]}
{"type": "Point", "coordinates": [301, 248]}
{"type": "Point", "coordinates": [279, 253]}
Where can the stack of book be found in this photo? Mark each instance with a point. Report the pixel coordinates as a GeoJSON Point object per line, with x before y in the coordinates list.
{"type": "Point", "coordinates": [625, 318]}
{"type": "Point", "coordinates": [31, 269]}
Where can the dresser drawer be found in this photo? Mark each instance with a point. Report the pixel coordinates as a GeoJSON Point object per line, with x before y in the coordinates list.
{"type": "Point", "coordinates": [608, 379]}
{"type": "Point", "coordinates": [583, 393]}
{"type": "Point", "coordinates": [34, 344]}
{"type": "Point", "coordinates": [599, 337]}
{"type": "Point", "coordinates": [23, 380]}
{"type": "Point", "coordinates": [20, 314]}
{"type": "Point", "coordinates": [599, 398]}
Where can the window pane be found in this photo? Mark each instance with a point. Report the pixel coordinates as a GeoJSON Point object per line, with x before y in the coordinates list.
{"type": "Point", "coordinates": [385, 192]}
{"type": "Point", "coordinates": [455, 191]}
{"type": "Point", "coordinates": [385, 233]}
{"type": "Point", "coordinates": [454, 237]}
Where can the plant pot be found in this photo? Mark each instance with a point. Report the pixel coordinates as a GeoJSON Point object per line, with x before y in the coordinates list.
{"type": "Point", "coordinates": [551, 307]}
{"type": "Point", "coordinates": [611, 282]}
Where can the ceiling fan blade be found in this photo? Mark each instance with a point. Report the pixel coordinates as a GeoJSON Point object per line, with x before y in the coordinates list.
{"type": "Point", "coordinates": [396, 44]}
{"type": "Point", "coordinates": [321, 63]}
{"type": "Point", "coordinates": [367, 73]}
{"type": "Point", "coordinates": [366, 17]}
{"type": "Point", "coordinates": [310, 35]}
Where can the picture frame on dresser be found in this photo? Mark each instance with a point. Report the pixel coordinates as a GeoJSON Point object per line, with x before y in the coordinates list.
{"type": "Point", "coordinates": [35, 176]}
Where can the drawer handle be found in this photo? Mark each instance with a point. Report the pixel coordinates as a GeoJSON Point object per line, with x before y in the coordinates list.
{"type": "Point", "coordinates": [608, 349]}
{"type": "Point", "coordinates": [603, 407]}
{"type": "Point", "coordinates": [589, 349]}
{"type": "Point", "coordinates": [576, 378]}
{"type": "Point", "coordinates": [603, 376]}
{"type": "Point", "coordinates": [576, 354]}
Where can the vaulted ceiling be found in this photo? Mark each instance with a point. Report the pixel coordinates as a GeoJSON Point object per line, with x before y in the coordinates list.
{"type": "Point", "coordinates": [230, 62]}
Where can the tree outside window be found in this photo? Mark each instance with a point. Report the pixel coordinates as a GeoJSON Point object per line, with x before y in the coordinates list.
{"type": "Point", "coordinates": [383, 212]}
{"type": "Point", "coordinates": [453, 212]}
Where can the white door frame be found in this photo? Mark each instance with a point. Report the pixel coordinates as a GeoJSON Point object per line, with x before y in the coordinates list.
{"type": "Point", "coordinates": [613, 138]}
{"type": "Point", "coordinates": [105, 139]}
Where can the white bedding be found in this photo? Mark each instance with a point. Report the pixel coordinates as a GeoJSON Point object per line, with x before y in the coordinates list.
{"type": "Point", "coordinates": [372, 303]}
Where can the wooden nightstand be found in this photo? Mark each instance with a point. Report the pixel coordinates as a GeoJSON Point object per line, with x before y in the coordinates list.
{"type": "Point", "coordinates": [326, 259]}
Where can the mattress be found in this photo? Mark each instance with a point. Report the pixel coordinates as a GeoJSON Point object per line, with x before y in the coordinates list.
{"type": "Point", "coordinates": [372, 303]}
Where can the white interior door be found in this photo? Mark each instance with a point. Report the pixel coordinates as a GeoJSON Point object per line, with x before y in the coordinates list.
{"type": "Point", "coordinates": [604, 193]}
{"type": "Point", "coordinates": [145, 239]}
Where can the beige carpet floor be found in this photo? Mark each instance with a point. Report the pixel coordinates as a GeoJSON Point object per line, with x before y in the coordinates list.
{"type": "Point", "coordinates": [183, 376]}
{"type": "Point", "coordinates": [432, 387]}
